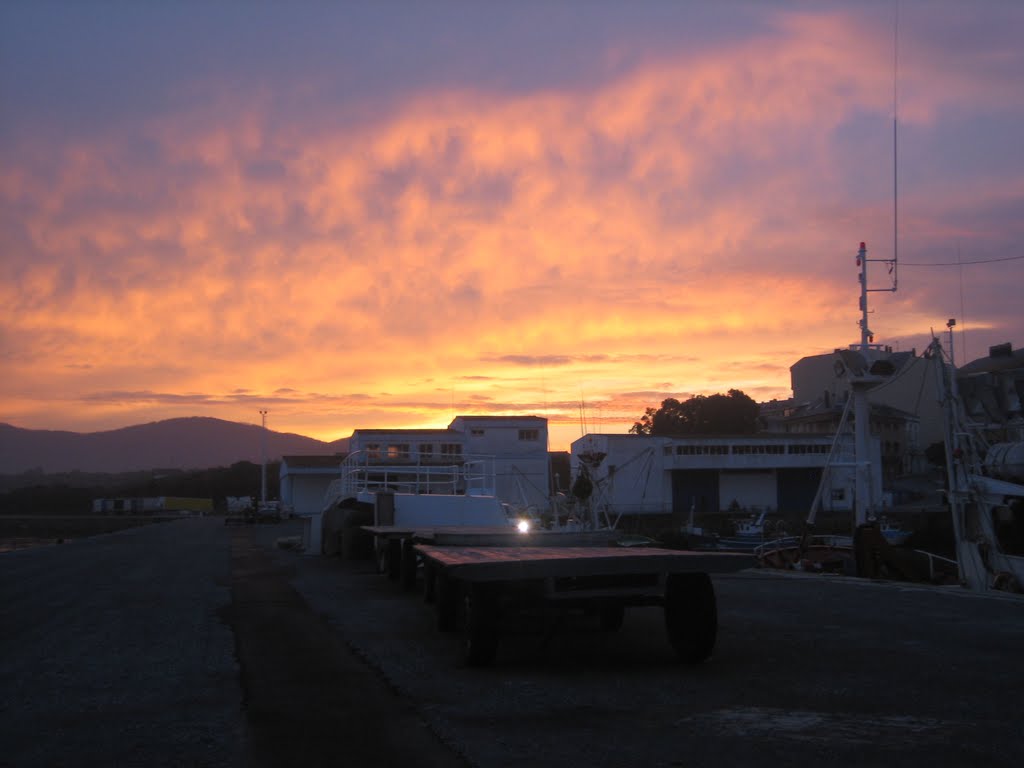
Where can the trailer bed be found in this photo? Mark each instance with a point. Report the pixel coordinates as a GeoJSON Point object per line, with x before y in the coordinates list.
{"type": "Point", "coordinates": [481, 563]}
{"type": "Point", "coordinates": [474, 586]}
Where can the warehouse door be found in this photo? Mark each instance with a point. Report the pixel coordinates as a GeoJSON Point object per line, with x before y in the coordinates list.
{"type": "Point", "coordinates": [796, 489]}
{"type": "Point", "coordinates": [694, 487]}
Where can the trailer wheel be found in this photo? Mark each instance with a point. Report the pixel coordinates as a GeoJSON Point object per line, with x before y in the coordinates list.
{"type": "Point", "coordinates": [429, 582]}
{"type": "Point", "coordinates": [447, 595]}
{"type": "Point", "coordinates": [408, 567]}
{"type": "Point", "coordinates": [691, 615]}
{"type": "Point", "coordinates": [353, 542]}
{"type": "Point", "coordinates": [394, 559]}
{"type": "Point", "coordinates": [481, 615]}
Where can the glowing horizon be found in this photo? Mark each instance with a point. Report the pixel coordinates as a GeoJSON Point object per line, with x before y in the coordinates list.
{"type": "Point", "coordinates": [642, 205]}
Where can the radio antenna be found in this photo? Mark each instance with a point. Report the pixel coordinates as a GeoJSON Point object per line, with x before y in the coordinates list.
{"type": "Point", "coordinates": [867, 337]}
{"type": "Point", "coordinates": [895, 143]}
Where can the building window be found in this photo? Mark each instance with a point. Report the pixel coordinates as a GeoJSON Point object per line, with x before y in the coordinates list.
{"type": "Point", "coordinates": [373, 450]}
{"type": "Point", "coordinates": [838, 494]}
{"type": "Point", "coordinates": [532, 435]}
{"type": "Point", "coordinates": [399, 451]}
{"type": "Point", "coordinates": [426, 451]}
{"type": "Point", "coordinates": [451, 451]}
{"type": "Point", "coordinates": [477, 432]}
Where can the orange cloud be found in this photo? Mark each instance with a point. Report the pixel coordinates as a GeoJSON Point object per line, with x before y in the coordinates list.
{"type": "Point", "coordinates": [682, 228]}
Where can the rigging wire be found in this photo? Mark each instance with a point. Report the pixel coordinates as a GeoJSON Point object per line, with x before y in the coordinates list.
{"type": "Point", "coordinates": [963, 319]}
{"type": "Point", "coordinates": [959, 263]}
{"type": "Point", "coordinates": [920, 393]}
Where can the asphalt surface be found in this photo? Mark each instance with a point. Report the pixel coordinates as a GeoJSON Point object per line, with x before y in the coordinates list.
{"type": "Point", "coordinates": [182, 644]}
{"type": "Point", "coordinates": [112, 651]}
{"type": "Point", "coordinates": [192, 643]}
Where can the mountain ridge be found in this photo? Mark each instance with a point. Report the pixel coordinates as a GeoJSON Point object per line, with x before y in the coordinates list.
{"type": "Point", "coordinates": [190, 442]}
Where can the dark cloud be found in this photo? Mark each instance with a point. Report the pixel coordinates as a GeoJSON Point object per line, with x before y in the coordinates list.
{"type": "Point", "coordinates": [265, 169]}
{"type": "Point", "coordinates": [543, 360]}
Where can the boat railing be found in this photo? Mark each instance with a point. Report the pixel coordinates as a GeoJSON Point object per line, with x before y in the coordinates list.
{"type": "Point", "coordinates": [950, 565]}
{"type": "Point", "coordinates": [828, 540]}
{"type": "Point", "coordinates": [334, 492]}
{"type": "Point", "coordinates": [416, 473]}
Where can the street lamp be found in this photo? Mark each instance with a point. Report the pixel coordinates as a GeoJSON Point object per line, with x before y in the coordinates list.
{"type": "Point", "coordinates": [263, 461]}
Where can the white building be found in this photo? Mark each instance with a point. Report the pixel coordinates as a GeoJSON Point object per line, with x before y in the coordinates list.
{"type": "Point", "coordinates": [639, 475]}
{"type": "Point", "coordinates": [905, 412]}
{"type": "Point", "coordinates": [515, 448]}
{"type": "Point", "coordinates": [305, 480]}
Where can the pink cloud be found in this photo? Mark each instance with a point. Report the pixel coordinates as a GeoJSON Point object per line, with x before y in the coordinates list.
{"type": "Point", "coordinates": [696, 209]}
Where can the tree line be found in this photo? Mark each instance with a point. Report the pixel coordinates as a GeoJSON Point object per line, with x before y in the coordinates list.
{"type": "Point", "coordinates": [731, 414]}
{"type": "Point", "coordinates": [73, 492]}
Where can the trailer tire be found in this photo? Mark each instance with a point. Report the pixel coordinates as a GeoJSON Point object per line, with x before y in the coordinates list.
{"type": "Point", "coordinates": [353, 542]}
{"type": "Point", "coordinates": [447, 596]}
{"type": "Point", "coordinates": [346, 543]}
{"type": "Point", "coordinates": [408, 566]}
{"type": "Point", "coordinates": [429, 582]}
{"type": "Point", "coordinates": [481, 617]}
{"type": "Point", "coordinates": [691, 616]}
{"type": "Point", "coordinates": [393, 555]}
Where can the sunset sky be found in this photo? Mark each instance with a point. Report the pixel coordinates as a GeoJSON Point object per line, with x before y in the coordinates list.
{"type": "Point", "coordinates": [386, 214]}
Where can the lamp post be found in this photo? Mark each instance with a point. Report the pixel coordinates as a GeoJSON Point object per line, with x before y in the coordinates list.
{"type": "Point", "coordinates": [263, 461]}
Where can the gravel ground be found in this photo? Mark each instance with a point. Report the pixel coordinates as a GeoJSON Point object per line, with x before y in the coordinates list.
{"type": "Point", "coordinates": [119, 650]}
{"type": "Point", "coordinates": [112, 651]}
{"type": "Point", "coordinates": [807, 668]}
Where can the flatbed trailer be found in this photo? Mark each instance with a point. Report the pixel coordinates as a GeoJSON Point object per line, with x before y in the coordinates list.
{"type": "Point", "coordinates": [393, 544]}
{"type": "Point", "coordinates": [478, 584]}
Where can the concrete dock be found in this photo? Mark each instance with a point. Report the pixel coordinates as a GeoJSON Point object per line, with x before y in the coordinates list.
{"type": "Point", "coordinates": [195, 643]}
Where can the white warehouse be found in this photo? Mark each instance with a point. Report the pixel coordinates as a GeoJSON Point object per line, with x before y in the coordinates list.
{"type": "Point", "coordinates": [640, 475]}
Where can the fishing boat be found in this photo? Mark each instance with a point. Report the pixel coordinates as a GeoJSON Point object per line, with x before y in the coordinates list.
{"type": "Point", "coordinates": [984, 444]}
{"type": "Point", "coordinates": [893, 533]}
{"type": "Point", "coordinates": [752, 532]}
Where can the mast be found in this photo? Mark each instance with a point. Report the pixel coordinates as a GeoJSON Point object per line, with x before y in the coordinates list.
{"type": "Point", "coordinates": [860, 382]}
{"type": "Point", "coordinates": [867, 337]}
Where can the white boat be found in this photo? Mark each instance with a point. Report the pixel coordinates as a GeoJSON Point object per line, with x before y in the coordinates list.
{"type": "Point", "coordinates": [751, 532]}
{"type": "Point", "coordinates": [893, 533]}
{"type": "Point", "coordinates": [985, 481]}
{"type": "Point", "coordinates": [752, 527]}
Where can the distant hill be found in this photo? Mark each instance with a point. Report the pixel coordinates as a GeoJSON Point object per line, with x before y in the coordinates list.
{"type": "Point", "coordinates": [189, 443]}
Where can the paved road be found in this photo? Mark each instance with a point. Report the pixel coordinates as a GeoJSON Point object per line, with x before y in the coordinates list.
{"type": "Point", "coordinates": [112, 652]}
{"type": "Point", "coordinates": [120, 650]}
{"type": "Point", "coordinates": [808, 670]}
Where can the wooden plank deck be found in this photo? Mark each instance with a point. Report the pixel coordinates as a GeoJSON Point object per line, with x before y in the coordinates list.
{"type": "Point", "coordinates": [494, 536]}
{"type": "Point", "coordinates": [539, 562]}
